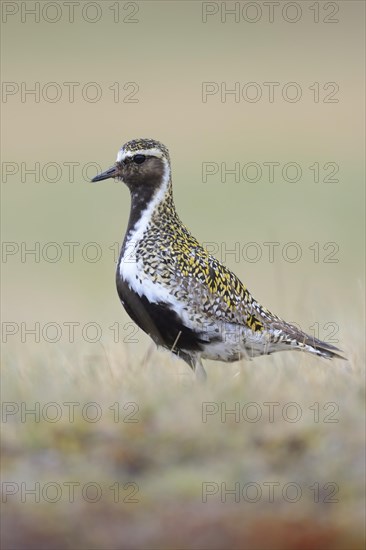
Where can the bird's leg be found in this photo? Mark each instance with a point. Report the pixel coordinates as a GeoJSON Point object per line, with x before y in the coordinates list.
{"type": "Point", "coordinates": [199, 371]}
{"type": "Point", "coordinates": [195, 363]}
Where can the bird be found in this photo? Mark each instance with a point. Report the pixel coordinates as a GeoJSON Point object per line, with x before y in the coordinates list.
{"type": "Point", "coordinates": [181, 296]}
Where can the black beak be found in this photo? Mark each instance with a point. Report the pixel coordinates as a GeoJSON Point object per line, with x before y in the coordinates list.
{"type": "Point", "coordinates": [110, 173]}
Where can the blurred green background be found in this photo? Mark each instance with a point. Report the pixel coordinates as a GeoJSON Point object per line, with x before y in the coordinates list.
{"type": "Point", "coordinates": [167, 52]}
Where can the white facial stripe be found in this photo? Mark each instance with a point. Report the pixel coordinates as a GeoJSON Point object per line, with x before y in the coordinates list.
{"type": "Point", "coordinates": [131, 270]}
{"type": "Point", "coordinates": [122, 154]}
{"type": "Point", "coordinates": [128, 268]}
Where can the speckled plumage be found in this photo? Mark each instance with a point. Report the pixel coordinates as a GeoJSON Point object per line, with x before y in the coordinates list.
{"type": "Point", "coordinates": [182, 296]}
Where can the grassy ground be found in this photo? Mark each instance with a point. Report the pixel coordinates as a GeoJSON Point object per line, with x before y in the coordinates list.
{"type": "Point", "coordinates": [157, 461]}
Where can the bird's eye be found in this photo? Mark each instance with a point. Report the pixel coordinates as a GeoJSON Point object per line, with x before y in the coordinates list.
{"type": "Point", "coordinates": [139, 159]}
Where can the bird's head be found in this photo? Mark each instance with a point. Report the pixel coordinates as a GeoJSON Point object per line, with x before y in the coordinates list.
{"type": "Point", "coordinates": [141, 163]}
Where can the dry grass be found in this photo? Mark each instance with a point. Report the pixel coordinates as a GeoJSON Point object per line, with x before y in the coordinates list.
{"type": "Point", "coordinates": [169, 452]}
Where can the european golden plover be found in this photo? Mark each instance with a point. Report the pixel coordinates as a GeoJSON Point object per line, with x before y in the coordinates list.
{"type": "Point", "coordinates": [185, 299]}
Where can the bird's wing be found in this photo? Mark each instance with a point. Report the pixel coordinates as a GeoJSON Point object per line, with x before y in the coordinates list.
{"type": "Point", "coordinates": [221, 295]}
{"type": "Point", "coordinates": [217, 290]}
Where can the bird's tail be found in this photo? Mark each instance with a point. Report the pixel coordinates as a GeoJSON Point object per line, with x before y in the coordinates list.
{"type": "Point", "coordinates": [298, 340]}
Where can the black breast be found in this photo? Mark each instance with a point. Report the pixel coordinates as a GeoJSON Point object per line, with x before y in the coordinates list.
{"type": "Point", "coordinates": [159, 321]}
